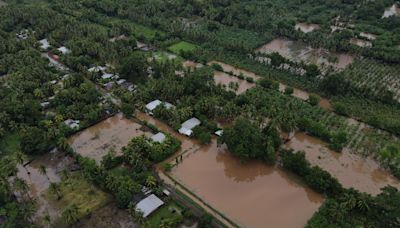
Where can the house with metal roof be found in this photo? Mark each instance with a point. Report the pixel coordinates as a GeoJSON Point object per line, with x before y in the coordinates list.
{"type": "Point", "coordinates": [149, 204]}
{"type": "Point", "coordinates": [188, 125]}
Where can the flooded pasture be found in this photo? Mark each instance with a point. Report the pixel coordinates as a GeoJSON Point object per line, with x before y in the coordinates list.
{"type": "Point", "coordinates": [368, 36]}
{"type": "Point", "coordinates": [252, 194]}
{"type": "Point", "coordinates": [229, 81]}
{"type": "Point", "coordinates": [191, 64]}
{"type": "Point", "coordinates": [300, 52]}
{"type": "Point", "coordinates": [39, 182]}
{"type": "Point", "coordinates": [110, 134]}
{"type": "Point", "coordinates": [394, 10]}
{"type": "Point", "coordinates": [305, 27]}
{"type": "Point", "coordinates": [225, 79]}
{"type": "Point", "coordinates": [361, 173]}
{"type": "Point", "coordinates": [360, 42]}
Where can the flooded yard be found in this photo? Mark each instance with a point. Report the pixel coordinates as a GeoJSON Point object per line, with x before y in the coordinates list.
{"type": "Point", "coordinates": [110, 134]}
{"type": "Point", "coordinates": [225, 79]}
{"type": "Point", "coordinates": [360, 42]}
{"type": "Point", "coordinates": [39, 182]}
{"type": "Point", "coordinates": [363, 174]}
{"type": "Point", "coordinates": [305, 27]}
{"type": "Point", "coordinates": [191, 65]}
{"type": "Point", "coordinates": [251, 194]}
{"type": "Point", "coordinates": [229, 81]}
{"type": "Point", "coordinates": [300, 52]}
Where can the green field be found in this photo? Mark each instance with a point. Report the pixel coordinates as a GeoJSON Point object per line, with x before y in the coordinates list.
{"type": "Point", "coordinates": [165, 212]}
{"type": "Point", "coordinates": [9, 144]}
{"type": "Point", "coordinates": [182, 46]}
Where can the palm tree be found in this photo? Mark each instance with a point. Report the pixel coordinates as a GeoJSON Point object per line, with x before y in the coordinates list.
{"type": "Point", "coordinates": [136, 214]}
{"type": "Point", "coordinates": [70, 214]}
{"type": "Point", "coordinates": [55, 189]}
{"type": "Point", "coordinates": [47, 220]}
{"type": "Point", "coordinates": [21, 186]}
{"type": "Point", "coordinates": [151, 181]}
{"type": "Point", "coordinates": [62, 143]}
{"type": "Point", "coordinates": [20, 158]}
{"type": "Point", "coordinates": [42, 170]}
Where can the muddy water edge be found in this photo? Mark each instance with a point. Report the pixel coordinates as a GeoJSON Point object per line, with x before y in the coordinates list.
{"type": "Point", "coordinates": [352, 170]}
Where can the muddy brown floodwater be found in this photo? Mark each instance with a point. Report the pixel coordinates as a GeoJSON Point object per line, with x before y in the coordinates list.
{"type": "Point", "coordinates": [363, 174]}
{"type": "Point", "coordinates": [299, 51]}
{"type": "Point", "coordinates": [252, 194]}
{"type": "Point", "coordinates": [305, 27]}
{"type": "Point", "coordinates": [225, 79]}
{"type": "Point", "coordinates": [54, 162]}
{"type": "Point", "coordinates": [112, 133]}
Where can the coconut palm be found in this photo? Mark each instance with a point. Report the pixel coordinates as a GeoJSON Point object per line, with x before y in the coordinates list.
{"type": "Point", "coordinates": [70, 214]}
{"type": "Point", "coordinates": [151, 181]}
{"type": "Point", "coordinates": [21, 186]}
{"type": "Point", "coordinates": [42, 170]}
{"type": "Point", "coordinates": [62, 143]}
{"type": "Point", "coordinates": [47, 220]}
{"type": "Point", "coordinates": [55, 189]}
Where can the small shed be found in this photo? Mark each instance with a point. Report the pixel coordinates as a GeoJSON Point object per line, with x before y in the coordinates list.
{"type": "Point", "coordinates": [44, 44]}
{"type": "Point", "coordinates": [159, 137]}
{"type": "Point", "coordinates": [64, 50]}
{"type": "Point", "coordinates": [149, 204]}
{"type": "Point", "coordinates": [219, 132]}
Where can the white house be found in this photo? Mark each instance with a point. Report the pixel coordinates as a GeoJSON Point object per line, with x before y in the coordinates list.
{"type": "Point", "coordinates": [107, 76]}
{"type": "Point", "coordinates": [149, 204]}
{"type": "Point", "coordinates": [73, 124]}
{"type": "Point", "coordinates": [97, 69]}
{"type": "Point", "coordinates": [64, 50]}
{"type": "Point", "coordinates": [154, 104]}
{"type": "Point", "coordinates": [188, 125]}
{"type": "Point", "coordinates": [159, 137]}
{"type": "Point", "coordinates": [219, 132]}
{"type": "Point", "coordinates": [44, 44]}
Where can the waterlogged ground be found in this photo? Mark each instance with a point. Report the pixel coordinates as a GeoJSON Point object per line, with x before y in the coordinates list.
{"type": "Point", "coordinates": [251, 194]}
{"type": "Point", "coordinates": [300, 52]}
{"type": "Point", "coordinates": [225, 79]}
{"type": "Point", "coordinates": [38, 183]}
{"type": "Point", "coordinates": [353, 171]}
{"type": "Point", "coordinates": [110, 134]}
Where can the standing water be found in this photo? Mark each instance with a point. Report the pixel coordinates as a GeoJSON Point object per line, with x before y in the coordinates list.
{"type": "Point", "coordinates": [363, 174]}
{"type": "Point", "coordinates": [252, 194]}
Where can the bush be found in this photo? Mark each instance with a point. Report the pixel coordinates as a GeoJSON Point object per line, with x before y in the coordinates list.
{"type": "Point", "coordinates": [202, 134]}
{"type": "Point", "coordinates": [313, 99]}
{"type": "Point", "coordinates": [288, 90]}
{"type": "Point", "coordinates": [217, 67]}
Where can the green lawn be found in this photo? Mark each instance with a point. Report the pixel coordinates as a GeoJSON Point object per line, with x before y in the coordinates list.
{"type": "Point", "coordinates": [164, 212]}
{"type": "Point", "coordinates": [77, 190]}
{"type": "Point", "coordinates": [182, 46]}
{"type": "Point", "coordinates": [9, 144]}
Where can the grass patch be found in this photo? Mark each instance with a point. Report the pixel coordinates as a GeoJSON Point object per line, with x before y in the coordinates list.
{"type": "Point", "coordinates": [77, 190]}
{"type": "Point", "coordinates": [164, 57]}
{"type": "Point", "coordinates": [182, 46]}
{"type": "Point", "coordinates": [9, 144]}
{"type": "Point", "coordinates": [165, 212]}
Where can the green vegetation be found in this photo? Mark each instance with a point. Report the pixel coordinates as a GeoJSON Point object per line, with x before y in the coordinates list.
{"type": "Point", "coordinates": [10, 144]}
{"type": "Point", "coordinates": [170, 214]}
{"type": "Point", "coordinates": [182, 46]}
{"type": "Point", "coordinates": [75, 192]}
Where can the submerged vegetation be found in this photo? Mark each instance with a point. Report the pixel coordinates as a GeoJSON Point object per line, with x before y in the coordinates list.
{"type": "Point", "coordinates": [66, 65]}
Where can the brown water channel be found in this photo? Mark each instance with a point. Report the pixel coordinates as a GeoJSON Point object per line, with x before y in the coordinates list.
{"type": "Point", "coordinates": [300, 52]}
{"type": "Point", "coordinates": [361, 173]}
{"type": "Point", "coordinates": [225, 79]}
{"type": "Point", "coordinates": [252, 194]}
{"type": "Point", "coordinates": [112, 133]}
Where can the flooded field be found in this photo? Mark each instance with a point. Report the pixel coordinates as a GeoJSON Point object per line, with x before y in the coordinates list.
{"type": "Point", "coordinates": [360, 42]}
{"type": "Point", "coordinates": [38, 182]}
{"type": "Point", "coordinates": [300, 52]}
{"type": "Point", "coordinates": [191, 64]}
{"type": "Point", "coordinates": [252, 194]}
{"type": "Point", "coordinates": [110, 134]}
{"type": "Point", "coordinates": [351, 170]}
{"type": "Point", "coordinates": [368, 36]}
{"type": "Point", "coordinates": [394, 10]}
{"type": "Point", "coordinates": [227, 81]}
{"type": "Point", "coordinates": [305, 27]}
